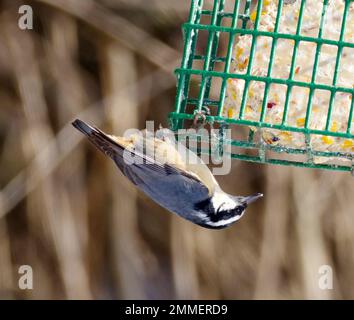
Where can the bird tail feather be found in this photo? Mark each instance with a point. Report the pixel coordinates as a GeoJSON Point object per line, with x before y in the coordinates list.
{"type": "Point", "coordinates": [101, 140]}
{"type": "Point", "coordinates": [83, 127]}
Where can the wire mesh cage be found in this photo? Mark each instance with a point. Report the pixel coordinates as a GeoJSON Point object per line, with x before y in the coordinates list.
{"type": "Point", "coordinates": [255, 138]}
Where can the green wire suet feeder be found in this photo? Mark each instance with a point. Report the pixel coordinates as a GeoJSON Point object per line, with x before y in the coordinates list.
{"type": "Point", "coordinates": [237, 19]}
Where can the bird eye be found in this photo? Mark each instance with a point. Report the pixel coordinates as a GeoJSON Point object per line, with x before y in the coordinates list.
{"type": "Point", "coordinates": [240, 210]}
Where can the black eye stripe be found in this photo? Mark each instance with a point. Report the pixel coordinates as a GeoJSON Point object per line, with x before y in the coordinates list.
{"type": "Point", "coordinates": [227, 214]}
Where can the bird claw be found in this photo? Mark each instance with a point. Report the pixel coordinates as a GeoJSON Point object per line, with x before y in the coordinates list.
{"type": "Point", "coordinates": [200, 117]}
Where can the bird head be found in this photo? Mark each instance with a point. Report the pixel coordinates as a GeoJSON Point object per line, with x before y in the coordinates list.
{"type": "Point", "coordinates": [223, 210]}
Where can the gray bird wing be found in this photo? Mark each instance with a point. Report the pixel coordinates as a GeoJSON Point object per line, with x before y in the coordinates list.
{"type": "Point", "coordinates": [172, 188]}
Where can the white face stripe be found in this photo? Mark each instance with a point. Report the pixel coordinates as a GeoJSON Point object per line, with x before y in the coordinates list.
{"type": "Point", "coordinates": [222, 201]}
{"type": "Point", "coordinates": [223, 222]}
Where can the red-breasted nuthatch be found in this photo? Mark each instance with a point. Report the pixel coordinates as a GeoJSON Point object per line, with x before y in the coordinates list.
{"type": "Point", "coordinates": [187, 189]}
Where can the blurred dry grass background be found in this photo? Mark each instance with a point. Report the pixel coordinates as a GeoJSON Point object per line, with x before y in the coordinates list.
{"type": "Point", "coordinates": [67, 211]}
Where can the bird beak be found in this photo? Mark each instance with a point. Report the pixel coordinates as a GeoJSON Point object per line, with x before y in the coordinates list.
{"type": "Point", "coordinates": [252, 198]}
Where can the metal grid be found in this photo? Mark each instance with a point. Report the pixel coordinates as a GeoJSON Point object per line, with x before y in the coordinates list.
{"type": "Point", "coordinates": [239, 20]}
